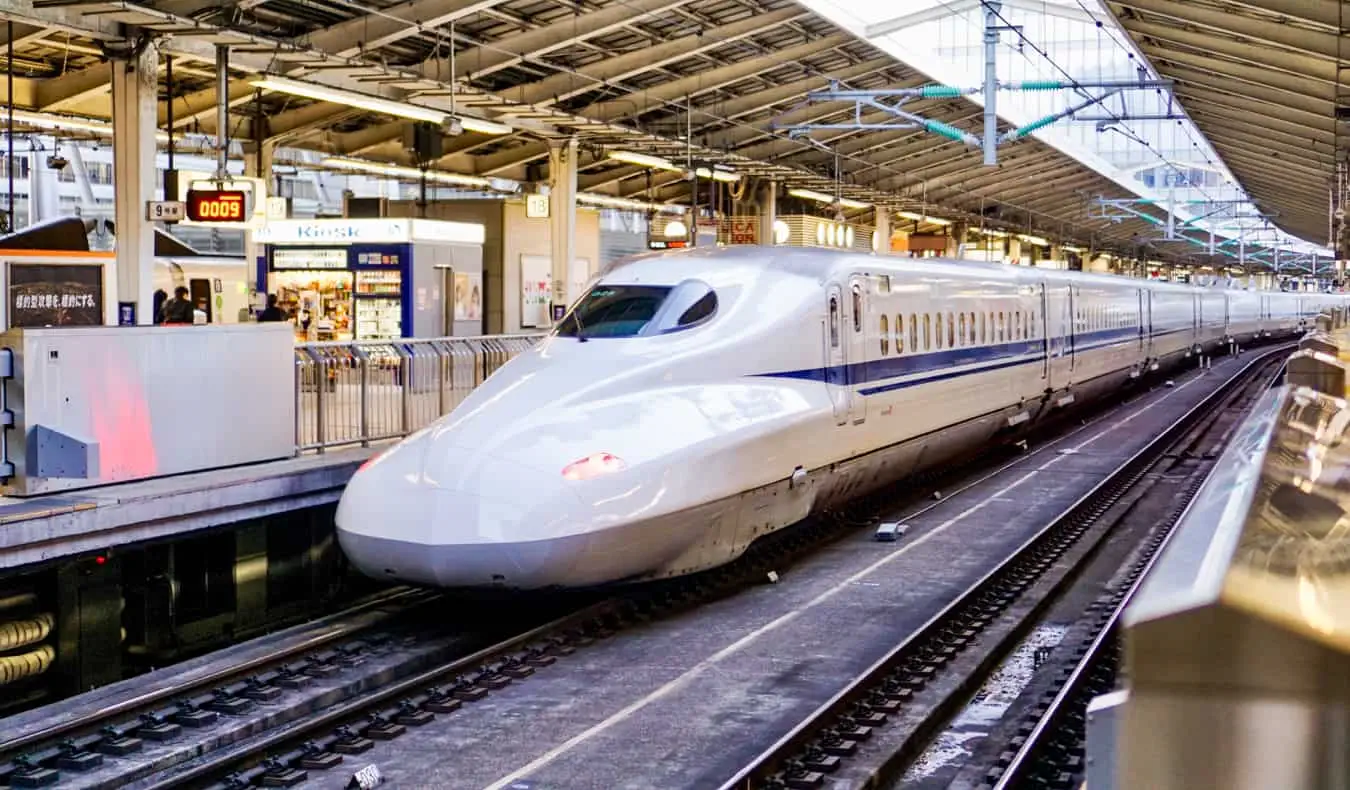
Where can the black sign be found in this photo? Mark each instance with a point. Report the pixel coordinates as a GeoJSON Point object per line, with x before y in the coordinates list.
{"type": "Point", "coordinates": [53, 294]}
{"type": "Point", "coordinates": [226, 205]}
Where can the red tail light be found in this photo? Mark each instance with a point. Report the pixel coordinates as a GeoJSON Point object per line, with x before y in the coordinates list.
{"type": "Point", "coordinates": [593, 466]}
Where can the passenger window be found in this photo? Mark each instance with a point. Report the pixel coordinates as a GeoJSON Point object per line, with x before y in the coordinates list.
{"type": "Point", "coordinates": [972, 329]}
{"type": "Point", "coordinates": [834, 322]}
{"type": "Point", "coordinates": [899, 333]}
{"type": "Point", "coordinates": [927, 331]}
{"type": "Point", "coordinates": [937, 340]}
{"type": "Point", "coordinates": [1002, 327]}
{"type": "Point", "coordinates": [984, 329]}
{"type": "Point", "coordinates": [913, 333]}
{"type": "Point", "coordinates": [857, 309]}
{"type": "Point", "coordinates": [885, 336]}
{"type": "Point", "coordinates": [963, 328]}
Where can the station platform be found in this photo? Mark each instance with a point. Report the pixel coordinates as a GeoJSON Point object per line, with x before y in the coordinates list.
{"type": "Point", "coordinates": [40, 529]}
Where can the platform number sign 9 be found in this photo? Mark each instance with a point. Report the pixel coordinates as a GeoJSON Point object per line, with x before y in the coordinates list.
{"type": "Point", "coordinates": [226, 205]}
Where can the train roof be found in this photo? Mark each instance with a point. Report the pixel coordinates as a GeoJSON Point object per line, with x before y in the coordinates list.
{"type": "Point", "coordinates": [819, 264]}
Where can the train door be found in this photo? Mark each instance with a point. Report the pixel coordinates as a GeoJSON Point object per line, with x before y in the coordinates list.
{"type": "Point", "coordinates": [199, 291]}
{"type": "Point", "coordinates": [1075, 307]}
{"type": "Point", "coordinates": [1142, 324]}
{"type": "Point", "coordinates": [1045, 334]}
{"type": "Point", "coordinates": [1059, 332]}
{"type": "Point", "coordinates": [836, 356]}
{"type": "Point", "coordinates": [857, 348]}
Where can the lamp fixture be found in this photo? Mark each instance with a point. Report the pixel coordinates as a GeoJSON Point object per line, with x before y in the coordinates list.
{"type": "Point", "coordinates": [923, 218]}
{"type": "Point", "coordinates": [482, 126]}
{"type": "Point", "coordinates": [609, 201]}
{"type": "Point", "coordinates": [56, 122]}
{"type": "Point", "coordinates": [821, 197]}
{"type": "Point", "coordinates": [411, 173]}
{"type": "Point", "coordinates": [645, 160]}
{"type": "Point", "coordinates": [364, 101]}
{"type": "Point", "coordinates": [717, 174]}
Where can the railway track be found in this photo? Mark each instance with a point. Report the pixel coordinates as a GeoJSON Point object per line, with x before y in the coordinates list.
{"type": "Point", "coordinates": [149, 723]}
{"type": "Point", "coordinates": [875, 729]}
{"type": "Point", "coordinates": [406, 683]}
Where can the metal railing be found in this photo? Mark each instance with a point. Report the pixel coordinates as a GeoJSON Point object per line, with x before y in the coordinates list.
{"type": "Point", "coordinates": [350, 393]}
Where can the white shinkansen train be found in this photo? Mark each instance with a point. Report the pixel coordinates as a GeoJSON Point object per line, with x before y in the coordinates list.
{"type": "Point", "coordinates": [692, 402]}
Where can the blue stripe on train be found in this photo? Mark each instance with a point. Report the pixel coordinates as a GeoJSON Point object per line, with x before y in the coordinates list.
{"type": "Point", "coordinates": [990, 358]}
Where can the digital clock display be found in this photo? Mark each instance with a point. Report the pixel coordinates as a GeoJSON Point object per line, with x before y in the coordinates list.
{"type": "Point", "coordinates": [216, 206]}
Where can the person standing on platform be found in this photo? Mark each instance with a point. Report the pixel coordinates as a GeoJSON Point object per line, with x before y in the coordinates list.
{"type": "Point", "coordinates": [177, 310]}
{"type": "Point", "coordinates": [272, 312]}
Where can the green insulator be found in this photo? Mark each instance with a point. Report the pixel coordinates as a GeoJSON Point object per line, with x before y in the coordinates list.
{"type": "Point", "coordinates": [940, 92]}
{"type": "Point", "coordinates": [1041, 85]}
{"type": "Point", "coordinates": [1034, 125]}
{"type": "Point", "coordinates": [946, 130]}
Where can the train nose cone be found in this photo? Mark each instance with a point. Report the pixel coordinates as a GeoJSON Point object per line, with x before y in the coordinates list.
{"type": "Point", "coordinates": [458, 521]}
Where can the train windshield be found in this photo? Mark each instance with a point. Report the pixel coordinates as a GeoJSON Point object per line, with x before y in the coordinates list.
{"type": "Point", "coordinates": [638, 310]}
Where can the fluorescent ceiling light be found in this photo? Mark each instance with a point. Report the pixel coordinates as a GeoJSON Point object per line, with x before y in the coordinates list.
{"type": "Point", "coordinates": [360, 101]}
{"type": "Point", "coordinates": [1036, 240]}
{"type": "Point", "coordinates": [483, 127]}
{"type": "Point", "coordinates": [991, 232]}
{"type": "Point", "coordinates": [821, 197]}
{"type": "Point", "coordinates": [610, 201]}
{"type": "Point", "coordinates": [645, 160]}
{"type": "Point", "coordinates": [922, 218]}
{"type": "Point", "coordinates": [1072, 248]}
{"type": "Point", "coordinates": [717, 175]}
{"type": "Point", "coordinates": [71, 123]}
{"type": "Point", "coordinates": [411, 173]}
{"type": "Point", "coordinates": [810, 194]}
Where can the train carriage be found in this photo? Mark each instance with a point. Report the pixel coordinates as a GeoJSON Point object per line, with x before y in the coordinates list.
{"type": "Point", "coordinates": [692, 402]}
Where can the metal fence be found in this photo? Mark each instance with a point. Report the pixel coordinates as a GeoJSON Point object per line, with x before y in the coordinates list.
{"type": "Point", "coordinates": [357, 393]}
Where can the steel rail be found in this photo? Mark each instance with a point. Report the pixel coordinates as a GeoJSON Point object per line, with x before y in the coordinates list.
{"type": "Point", "coordinates": [1023, 760]}
{"type": "Point", "coordinates": [219, 761]}
{"type": "Point", "coordinates": [139, 702]}
{"type": "Point", "coordinates": [776, 756]}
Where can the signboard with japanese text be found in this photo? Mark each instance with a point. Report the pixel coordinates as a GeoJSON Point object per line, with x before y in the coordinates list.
{"type": "Point", "coordinates": [52, 294]}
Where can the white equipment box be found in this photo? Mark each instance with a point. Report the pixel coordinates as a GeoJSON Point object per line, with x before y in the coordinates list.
{"type": "Point", "coordinates": [89, 406]}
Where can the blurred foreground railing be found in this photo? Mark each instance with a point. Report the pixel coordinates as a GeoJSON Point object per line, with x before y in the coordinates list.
{"type": "Point", "coordinates": [360, 392]}
{"type": "Point", "coordinates": [1238, 642]}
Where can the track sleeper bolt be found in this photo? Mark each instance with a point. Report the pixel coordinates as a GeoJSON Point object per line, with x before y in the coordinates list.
{"type": "Point", "coordinates": [409, 714]}
{"type": "Point", "coordinates": [381, 729]}
{"type": "Point", "coordinates": [348, 741]}
{"type": "Point", "coordinates": [314, 757]}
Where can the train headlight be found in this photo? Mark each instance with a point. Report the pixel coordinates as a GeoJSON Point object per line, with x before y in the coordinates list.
{"type": "Point", "coordinates": [593, 466]}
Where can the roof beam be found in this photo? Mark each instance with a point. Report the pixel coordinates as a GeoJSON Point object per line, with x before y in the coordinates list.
{"type": "Point", "coordinates": [375, 30]}
{"type": "Point", "coordinates": [514, 49]}
{"type": "Point", "coordinates": [199, 104]}
{"type": "Point", "coordinates": [1218, 107]}
{"type": "Point", "coordinates": [759, 101]}
{"type": "Point", "coordinates": [1273, 79]}
{"type": "Point", "coordinates": [1311, 42]}
{"type": "Point", "coordinates": [60, 93]}
{"type": "Point", "coordinates": [1248, 53]}
{"type": "Point", "coordinates": [1297, 117]}
{"type": "Point", "coordinates": [639, 102]}
{"type": "Point", "coordinates": [1273, 96]}
{"type": "Point", "coordinates": [512, 157]}
{"type": "Point", "coordinates": [565, 85]}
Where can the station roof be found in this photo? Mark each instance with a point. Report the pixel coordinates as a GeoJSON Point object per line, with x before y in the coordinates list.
{"type": "Point", "coordinates": [713, 80]}
{"type": "Point", "coordinates": [1261, 79]}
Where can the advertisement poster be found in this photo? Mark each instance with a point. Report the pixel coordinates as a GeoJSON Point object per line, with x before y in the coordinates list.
{"type": "Point", "coordinates": [49, 294]}
{"type": "Point", "coordinates": [468, 296]}
{"type": "Point", "coordinates": [536, 286]}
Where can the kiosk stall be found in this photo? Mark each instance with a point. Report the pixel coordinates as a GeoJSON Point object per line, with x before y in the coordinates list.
{"type": "Point", "coordinates": [372, 279]}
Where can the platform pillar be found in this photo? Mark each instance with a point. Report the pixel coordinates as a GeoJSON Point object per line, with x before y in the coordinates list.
{"type": "Point", "coordinates": [258, 164]}
{"type": "Point", "coordinates": [881, 237]}
{"type": "Point", "coordinates": [562, 174]}
{"type": "Point", "coordinates": [134, 109]}
{"type": "Point", "coordinates": [768, 213]}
